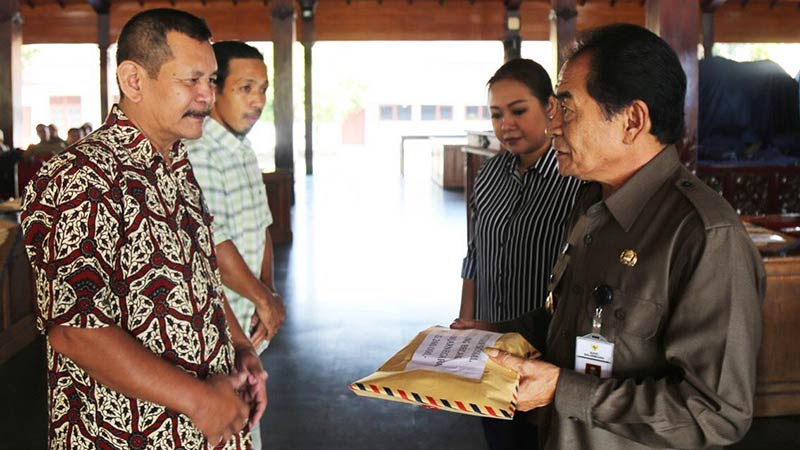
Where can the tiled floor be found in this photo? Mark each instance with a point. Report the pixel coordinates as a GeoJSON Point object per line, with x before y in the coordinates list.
{"type": "Point", "coordinates": [375, 259]}
{"type": "Point", "coordinates": [373, 262]}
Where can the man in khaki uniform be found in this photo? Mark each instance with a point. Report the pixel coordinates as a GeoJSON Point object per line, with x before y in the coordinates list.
{"type": "Point", "coordinates": [656, 263]}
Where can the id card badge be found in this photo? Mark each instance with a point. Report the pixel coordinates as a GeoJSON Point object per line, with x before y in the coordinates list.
{"type": "Point", "coordinates": [594, 355]}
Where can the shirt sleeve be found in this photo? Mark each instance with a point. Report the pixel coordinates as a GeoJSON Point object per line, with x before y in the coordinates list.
{"type": "Point", "coordinates": [711, 342]}
{"type": "Point", "coordinates": [72, 227]}
{"type": "Point", "coordinates": [468, 266]}
{"type": "Point", "coordinates": [208, 172]}
{"type": "Point", "coordinates": [532, 326]}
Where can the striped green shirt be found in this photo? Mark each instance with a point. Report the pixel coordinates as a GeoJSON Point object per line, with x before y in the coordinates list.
{"type": "Point", "coordinates": [227, 170]}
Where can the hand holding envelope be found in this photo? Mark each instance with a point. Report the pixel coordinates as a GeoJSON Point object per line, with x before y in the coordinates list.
{"type": "Point", "coordinates": [450, 370]}
{"type": "Point", "coordinates": [538, 379]}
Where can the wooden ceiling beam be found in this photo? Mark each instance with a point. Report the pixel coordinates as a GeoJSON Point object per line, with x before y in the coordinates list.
{"type": "Point", "coordinates": [709, 6]}
{"type": "Point", "coordinates": [100, 6]}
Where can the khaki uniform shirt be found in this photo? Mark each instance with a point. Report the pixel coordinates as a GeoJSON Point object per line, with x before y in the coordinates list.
{"type": "Point", "coordinates": [685, 319]}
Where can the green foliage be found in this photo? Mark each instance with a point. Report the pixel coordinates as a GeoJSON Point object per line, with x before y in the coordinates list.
{"type": "Point", "coordinates": [332, 103]}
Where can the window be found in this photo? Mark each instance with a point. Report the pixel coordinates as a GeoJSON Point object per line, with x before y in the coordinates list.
{"type": "Point", "coordinates": [395, 112]}
{"type": "Point", "coordinates": [387, 112]}
{"type": "Point", "coordinates": [428, 112]}
{"type": "Point", "coordinates": [437, 112]}
{"type": "Point", "coordinates": [65, 111]}
{"type": "Point", "coordinates": [477, 113]}
{"type": "Point", "coordinates": [403, 112]}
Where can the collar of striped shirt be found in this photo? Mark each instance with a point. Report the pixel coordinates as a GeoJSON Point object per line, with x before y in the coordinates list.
{"type": "Point", "coordinates": [546, 166]}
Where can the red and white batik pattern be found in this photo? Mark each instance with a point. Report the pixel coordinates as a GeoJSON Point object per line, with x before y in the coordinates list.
{"type": "Point", "coordinates": [116, 236]}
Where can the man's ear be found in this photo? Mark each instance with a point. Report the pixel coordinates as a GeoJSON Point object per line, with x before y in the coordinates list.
{"type": "Point", "coordinates": [637, 121]}
{"type": "Point", "coordinates": [130, 76]}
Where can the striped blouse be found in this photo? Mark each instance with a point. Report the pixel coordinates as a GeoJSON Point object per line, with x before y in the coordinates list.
{"type": "Point", "coordinates": [518, 228]}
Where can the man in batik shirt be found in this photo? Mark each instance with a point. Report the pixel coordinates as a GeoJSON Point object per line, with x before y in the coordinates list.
{"type": "Point", "coordinates": [143, 351]}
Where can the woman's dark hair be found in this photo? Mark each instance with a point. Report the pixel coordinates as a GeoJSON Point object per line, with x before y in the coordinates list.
{"type": "Point", "coordinates": [627, 63]}
{"type": "Point", "coordinates": [529, 73]}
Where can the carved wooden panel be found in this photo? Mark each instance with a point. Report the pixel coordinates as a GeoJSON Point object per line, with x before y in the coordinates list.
{"type": "Point", "coordinates": [756, 190]}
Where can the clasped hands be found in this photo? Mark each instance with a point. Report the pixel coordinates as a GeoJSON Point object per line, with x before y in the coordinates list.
{"type": "Point", "coordinates": [538, 379]}
{"type": "Point", "coordinates": [232, 401]}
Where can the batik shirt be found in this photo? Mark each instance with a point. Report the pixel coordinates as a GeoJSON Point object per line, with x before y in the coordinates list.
{"type": "Point", "coordinates": [117, 236]}
{"type": "Point", "coordinates": [227, 169]}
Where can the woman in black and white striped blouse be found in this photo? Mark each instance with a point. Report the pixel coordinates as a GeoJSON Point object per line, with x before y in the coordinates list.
{"type": "Point", "coordinates": [520, 202]}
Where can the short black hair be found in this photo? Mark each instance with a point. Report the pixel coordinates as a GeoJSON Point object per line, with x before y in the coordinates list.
{"type": "Point", "coordinates": [528, 72]}
{"type": "Point", "coordinates": [225, 51]}
{"type": "Point", "coordinates": [628, 62]}
{"type": "Point", "coordinates": [143, 38]}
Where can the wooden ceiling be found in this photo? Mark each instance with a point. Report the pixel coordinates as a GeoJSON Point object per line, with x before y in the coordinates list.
{"type": "Point", "coordinates": [74, 21]}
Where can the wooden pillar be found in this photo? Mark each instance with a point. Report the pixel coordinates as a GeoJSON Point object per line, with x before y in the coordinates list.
{"type": "Point", "coordinates": [11, 72]}
{"type": "Point", "coordinates": [102, 8]}
{"type": "Point", "coordinates": [709, 7]}
{"type": "Point", "coordinates": [708, 34]}
{"type": "Point", "coordinates": [678, 23]}
{"type": "Point", "coordinates": [283, 36]}
{"type": "Point", "coordinates": [512, 43]}
{"type": "Point", "coordinates": [309, 36]}
{"type": "Point", "coordinates": [563, 27]}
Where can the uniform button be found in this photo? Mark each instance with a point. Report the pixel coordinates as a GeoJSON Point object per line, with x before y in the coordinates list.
{"type": "Point", "coordinates": [620, 314]}
{"type": "Point", "coordinates": [587, 239]}
{"type": "Point", "coordinates": [551, 277]}
{"type": "Point", "coordinates": [686, 183]}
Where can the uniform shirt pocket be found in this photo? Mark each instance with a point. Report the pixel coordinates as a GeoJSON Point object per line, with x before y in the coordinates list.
{"type": "Point", "coordinates": [637, 317]}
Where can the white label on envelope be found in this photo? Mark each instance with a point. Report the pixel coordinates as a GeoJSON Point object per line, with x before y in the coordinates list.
{"type": "Point", "coordinates": [594, 356]}
{"type": "Point", "coordinates": [458, 352]}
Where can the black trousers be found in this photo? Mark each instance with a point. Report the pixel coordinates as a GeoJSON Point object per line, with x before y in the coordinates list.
{"type": "Point", "coordinates": [518, 434]}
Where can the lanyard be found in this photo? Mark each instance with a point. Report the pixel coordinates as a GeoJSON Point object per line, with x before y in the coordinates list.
{"type": "Point", "coordinates": [603, 295]}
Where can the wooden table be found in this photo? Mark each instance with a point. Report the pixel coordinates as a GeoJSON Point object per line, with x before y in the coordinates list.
{"type": "Point", "coordinates": [447, 163]}
{"type": "Point", "coordinates": [280, 194]}
{"type": "Point", "coordinates": [407, 137]}
{"type": "Point", "coordinates": [17, 319]}
{"type": "Point", "coordinates": [778, 370]}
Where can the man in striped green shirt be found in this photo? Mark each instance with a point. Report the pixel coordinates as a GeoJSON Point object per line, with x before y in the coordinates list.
{"type": "Point", "coordinates": [227, 170]}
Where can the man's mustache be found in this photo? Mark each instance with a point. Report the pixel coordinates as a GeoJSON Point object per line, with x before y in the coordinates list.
{"type": "Point", "coordinates": [201, 114]}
